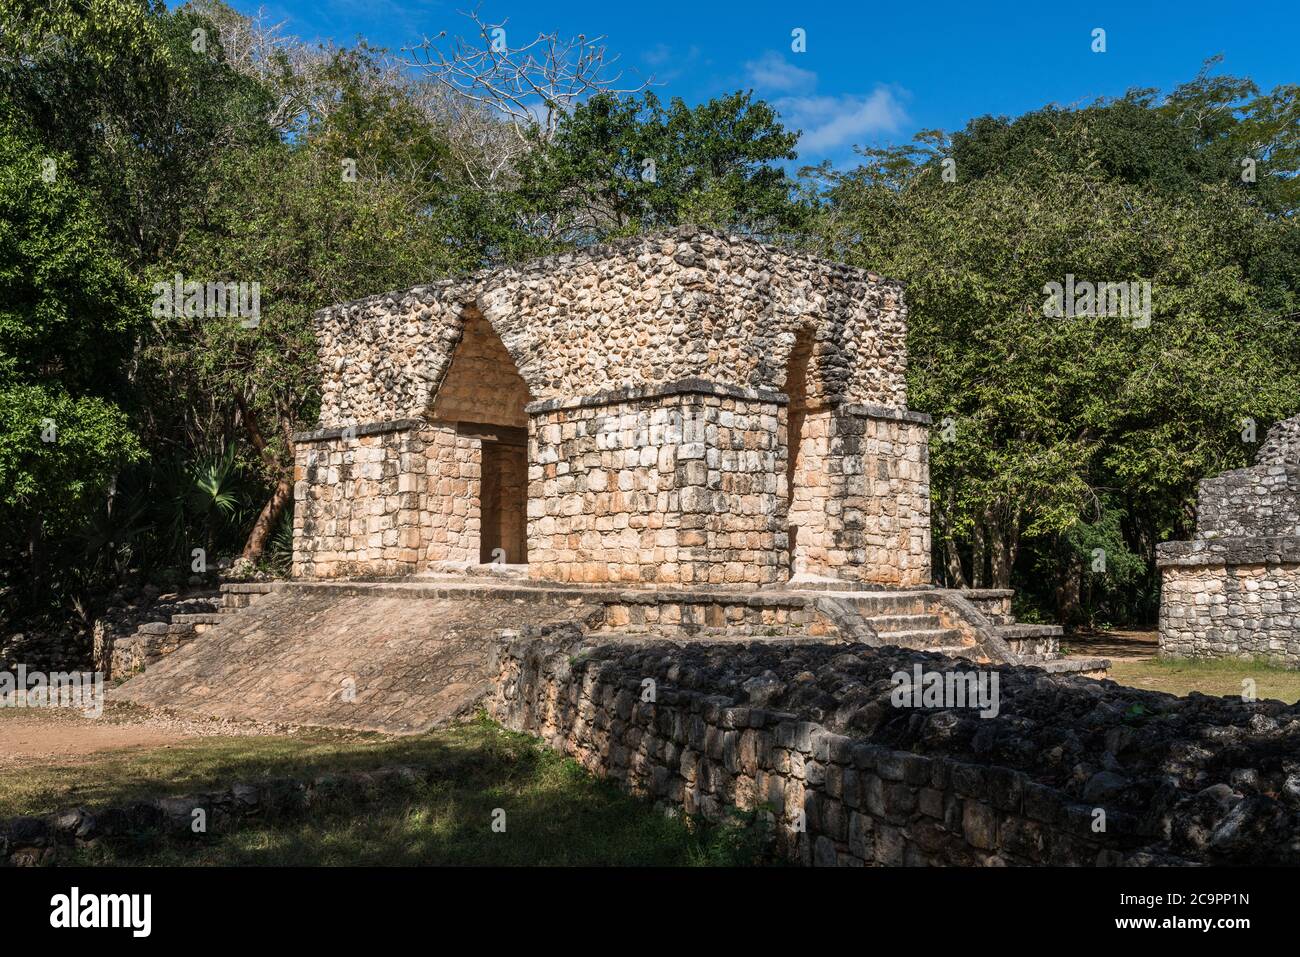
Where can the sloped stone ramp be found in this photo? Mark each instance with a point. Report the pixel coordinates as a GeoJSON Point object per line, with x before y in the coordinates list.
{"type": "Point", "coordinates": [369, 661]}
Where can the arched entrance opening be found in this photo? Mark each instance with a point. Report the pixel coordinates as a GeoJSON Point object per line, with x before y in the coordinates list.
{"type": "Point", "coordinates": [484, 397]}
{"type": "Point", "coordinates": [798, 490]}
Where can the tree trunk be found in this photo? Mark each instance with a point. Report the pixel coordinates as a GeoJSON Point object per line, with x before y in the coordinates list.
{"type": "Point", "coordinates": [952, 560]}
{"type": "Point", "coordinates": [271, 511]}
{"type": "Point", "coordinates": [36, 555]}
{"type": "Point", "coordinates": [267, 519]}
{"type": "Point", "coordinates": [1068, 593]}
{"type": "Point", "coordinates": [951, 554]}
{"type": "Point", "coordinates": [1005, 538]}
{"type": "Point", "coordinates": [977, 552]}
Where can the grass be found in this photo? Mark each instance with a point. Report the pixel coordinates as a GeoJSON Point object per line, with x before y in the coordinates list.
{"type": "Point", "coordinates": [555, 812]}
{"type": "Point", "coordinates": [1209, 676]}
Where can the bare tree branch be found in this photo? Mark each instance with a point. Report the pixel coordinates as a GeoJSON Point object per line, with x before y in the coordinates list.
{"type": "Point", "coordinates": [529, 87]}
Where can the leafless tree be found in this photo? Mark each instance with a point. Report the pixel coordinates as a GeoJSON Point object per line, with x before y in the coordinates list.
{"type": "Point", "coordinates": [529, 87]}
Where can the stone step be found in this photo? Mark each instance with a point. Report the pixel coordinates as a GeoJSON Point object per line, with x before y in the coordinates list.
{"type": "Point", "coordinates": [804, 582]}
{"type": "Point", "coordinates": [450, 569]}
{"type": "Point", "coordinates": [200, 618]}
{"type": "Point", "coordinates": [927, 639]}
{"type": "Point", "coordinates": [958, 651]}
{"type": "Point", "coordinates": [1036, 641]}
{"type": "Point", "coordinates": [1077, 665]}
{"type": "Point", "coordinates": [891, 624]}
{"type": "Point", "coordinates": [1030, 631]}
{"type": "Point", "coordinates": [890, 604]}
{"type": "Point", "coordinates": [236, 595]}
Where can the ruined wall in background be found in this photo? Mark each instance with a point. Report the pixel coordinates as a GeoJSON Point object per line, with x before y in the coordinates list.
{"type": "Point", "coordinates": [1234, 590]}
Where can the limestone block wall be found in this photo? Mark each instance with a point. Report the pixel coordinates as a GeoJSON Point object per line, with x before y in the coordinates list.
{"type": "Point", "coordinates": [860, 502]}
{"type": "Point", "coordinates": [1231, 598]}
{"type": "Point", "coordinates": [451, 496]}
{"type": "Point", "coordinates": [687, 484]}
{"type": "Point", "coordinates": [679, 485]}
{"type": "Point", "coordinates": [1234, 590]}
{"type": "Point", "coordinates": [381, 500]}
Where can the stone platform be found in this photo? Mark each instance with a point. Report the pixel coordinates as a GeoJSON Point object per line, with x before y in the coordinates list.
{"type": "Point", "coordinates": [410, 654]}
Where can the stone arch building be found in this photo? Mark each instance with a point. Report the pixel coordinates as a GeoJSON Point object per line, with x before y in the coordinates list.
{"type": "Point", "coordinates": [683, 408]}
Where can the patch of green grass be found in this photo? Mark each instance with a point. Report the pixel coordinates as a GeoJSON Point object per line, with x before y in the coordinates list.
{"type": "Point", "coordinates": [1217, 676]}
{"type": "Point", "coordinates": [555, 812]}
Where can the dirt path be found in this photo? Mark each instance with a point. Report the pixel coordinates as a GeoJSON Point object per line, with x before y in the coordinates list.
{"type": "Point", "coordinates": [53, 737]}
{"type": "Point", "coordinates": [62, 736]}
{"type": "Point", "coordinates": [1135, 644]}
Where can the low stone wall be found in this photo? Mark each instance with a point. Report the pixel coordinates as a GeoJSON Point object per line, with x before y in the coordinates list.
{"type": "Point", "coordinates": [32, 841]}
{"type": "Point", "coordinates": [1068, 771]}
{"type": "Point", "coordinates": [695, 614]}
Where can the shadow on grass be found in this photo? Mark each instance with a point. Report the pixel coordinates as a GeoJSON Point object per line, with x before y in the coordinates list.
{"type": "Point", "coordinates": [495, 798]}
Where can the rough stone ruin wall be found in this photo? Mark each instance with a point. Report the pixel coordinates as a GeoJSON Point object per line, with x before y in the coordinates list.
{"type": "Point", "coordinates": [1234, 590]}
{"type": "Point", "coordinates": [811, 736]}
{"type": "Point", "coordinates": [648, 311]}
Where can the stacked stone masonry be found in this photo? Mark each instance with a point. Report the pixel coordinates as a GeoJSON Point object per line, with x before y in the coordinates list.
{"type": "Point", "coordinates": [810, 736]}
{"type": "Point", "coordinates": [642, 388]}
{"type": "Point", "coordinates": [656, 309]}
{"type": "Point", "coordinates": [1234, 590]}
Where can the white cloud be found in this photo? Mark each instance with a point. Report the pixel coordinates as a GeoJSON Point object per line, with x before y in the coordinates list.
{"type": "Point", "coordinates": [658, 54]}
{"type": "Point", "coordinates": [833, 122]}
{"type": "Point", "coordinates": [773, 72]}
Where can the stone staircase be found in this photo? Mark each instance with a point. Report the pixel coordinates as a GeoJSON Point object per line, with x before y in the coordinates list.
{"type": "Point", "coordinates": [155, 640]}
{"type": "Point", "coordinates": [914, 619]}
{"type": "Point", "coordinates": [1034, 644]}
{"type": "Point", "coordinates": [971, 623]}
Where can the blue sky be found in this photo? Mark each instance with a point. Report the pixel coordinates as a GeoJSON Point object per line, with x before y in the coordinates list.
{"type": "Point", "coordinates": [872, 74]}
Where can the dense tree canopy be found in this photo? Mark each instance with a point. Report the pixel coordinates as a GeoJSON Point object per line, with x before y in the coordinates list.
{"type": "Point", "coordinates": [1062, 436]}
{"type": "Point", "coordinates": [140, 143]}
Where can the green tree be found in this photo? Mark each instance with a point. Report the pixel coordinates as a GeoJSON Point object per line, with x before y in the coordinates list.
{"type": "Point", "coordinates": [140, 101]}
{"type": "Point", "coordinates": [1042, 418]}
{"type": "Point", "coordinates": [68, 315]}
{"type": "Point", "coordinates": [618, 166]}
